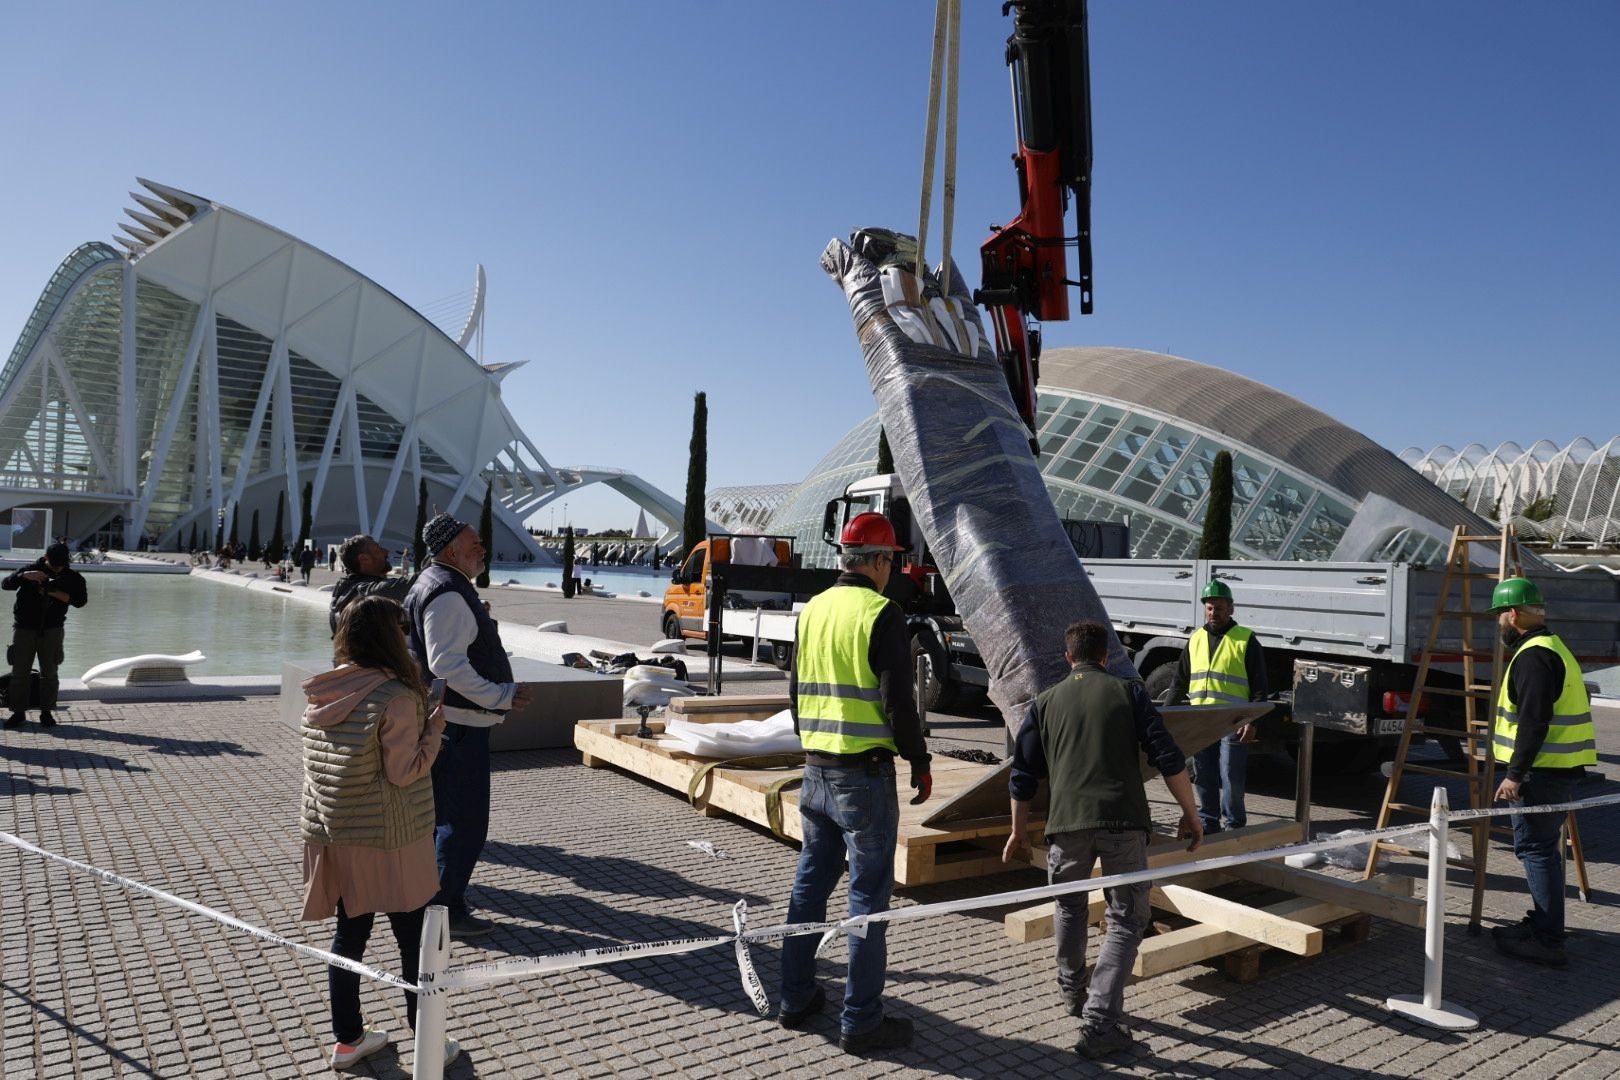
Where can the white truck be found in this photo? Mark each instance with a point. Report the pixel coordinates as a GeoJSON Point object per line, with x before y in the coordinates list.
{"type": "Point", "coordinates": [1348, 636]}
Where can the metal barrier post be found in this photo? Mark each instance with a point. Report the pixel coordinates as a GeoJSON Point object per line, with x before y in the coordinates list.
{"type": "Point", "coordinates": [1431, 1009]}
{"type": "Point", "coordinates": [431, 1005]}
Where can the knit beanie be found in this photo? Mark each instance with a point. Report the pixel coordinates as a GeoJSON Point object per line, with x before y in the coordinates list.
{"type": "Point", "coordinates": [437, 534]}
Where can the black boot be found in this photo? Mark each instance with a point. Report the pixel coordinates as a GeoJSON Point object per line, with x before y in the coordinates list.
{"type": "Point", "coordinates": [15, 720]}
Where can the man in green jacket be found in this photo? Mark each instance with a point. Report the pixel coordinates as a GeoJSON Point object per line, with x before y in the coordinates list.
{"type": "Point", "coordinates": [1084, 736]}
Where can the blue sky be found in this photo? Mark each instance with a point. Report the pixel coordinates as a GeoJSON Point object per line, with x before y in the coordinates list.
{"type": "Point", "coordinates": [1401, 213]}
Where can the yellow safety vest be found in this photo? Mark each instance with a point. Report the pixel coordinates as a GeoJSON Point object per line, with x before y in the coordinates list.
{"type": "Point", "coordinates": [1571, 740]}
{"type": "Point", "coordinates": [1221, 679]}
{"type": "Point", "coordinates": [839, 704]}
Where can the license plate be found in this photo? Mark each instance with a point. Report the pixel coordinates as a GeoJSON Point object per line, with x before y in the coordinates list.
{"type": "Point", "coordinates": [1390, 725]}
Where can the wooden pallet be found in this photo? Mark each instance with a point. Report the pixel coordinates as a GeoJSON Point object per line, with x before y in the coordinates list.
{"type": "Point", "coordinates": [923, 855]}
{"type": "Point", "coordinates": [1238, 915]}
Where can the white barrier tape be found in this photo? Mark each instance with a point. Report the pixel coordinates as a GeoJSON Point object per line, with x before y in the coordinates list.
{"type": "Point", "coordinates": [1021, 897]}
{"type": "Point", "coordinates": [745, 963]}
{"type": "Point", "coordinates": [1539, 808]}
{"type": "Point", "coordinates": [110, 878]}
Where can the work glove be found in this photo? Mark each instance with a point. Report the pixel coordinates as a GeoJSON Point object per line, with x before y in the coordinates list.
{"type": "Point", "coordinates": [922, 782]}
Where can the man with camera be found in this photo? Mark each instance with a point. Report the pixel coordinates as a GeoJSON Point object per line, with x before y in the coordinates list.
{"type": "Point", "coordinates": [45, 590]}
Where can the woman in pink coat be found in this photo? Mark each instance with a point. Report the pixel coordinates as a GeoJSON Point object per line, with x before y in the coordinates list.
{"type": "Point", "coordinates": [367, 816]}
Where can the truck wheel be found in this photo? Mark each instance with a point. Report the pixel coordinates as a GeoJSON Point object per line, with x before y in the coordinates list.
{"type": "Point", "coordinates": [1160, 681]}
{"type": "Point", "coordinates": [672, 626]}
{"type": "Point", "coordinates": [782, 655]}
{"type": "Point", "coordinates": [938, 694]}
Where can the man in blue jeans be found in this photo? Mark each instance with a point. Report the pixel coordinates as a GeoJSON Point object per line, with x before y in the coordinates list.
{"type": "Point", "coordinates": [1222, 664]}
{"type": "Point", "coordinates": [454, 639]}
{"type": "Point", "coordinates": [854, 711]}
{"type": "Point", "coordinates": [1543, 737]}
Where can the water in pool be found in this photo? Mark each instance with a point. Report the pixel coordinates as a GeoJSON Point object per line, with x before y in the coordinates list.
{"type": "Point", "coordinates": [241, 631]}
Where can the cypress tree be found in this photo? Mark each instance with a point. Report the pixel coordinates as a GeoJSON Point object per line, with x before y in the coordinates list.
{"type": "Point", "coordinates": [1216, 541]}
{"type": "Point", "coordinates": [255, 549]}
{"type": "Point", "coordinates": [568, 563]}
{"type": "Point", "coordinates": [193, 546]}
{"type": "Point", "coordinates": [697, 471]}
{"type": "Point", "coordinates": [885, 459]}
{"type": "Point", "coordinates": [274, 548]}
{"type": "Point", "coordinates": [486, 533]}
{"type": "Point", "coordinates": [234, 540]}
{"type": "Point", "coordinates": [306, 524]}
{"type": "Point", "coordinates": [418, 547]}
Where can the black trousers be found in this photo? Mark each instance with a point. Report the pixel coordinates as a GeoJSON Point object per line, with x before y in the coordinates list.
{"type": "Point", "coordinates": [349, 941]}
{"type": "Point", "coordinates": [27, 646]}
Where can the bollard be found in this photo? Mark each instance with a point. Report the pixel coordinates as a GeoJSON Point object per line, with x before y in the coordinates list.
{"type": "Point", "coordinates": [431, 1004]}
{"type": "Point", "coordinates": [1431, 1009]}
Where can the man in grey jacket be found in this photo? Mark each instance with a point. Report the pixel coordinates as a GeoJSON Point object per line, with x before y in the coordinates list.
{"type": "Point", "coordinates": [453, 637]}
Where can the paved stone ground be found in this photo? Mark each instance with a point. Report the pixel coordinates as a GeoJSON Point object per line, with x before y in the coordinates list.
{"type": "Point", "coordinates": [200, 799]}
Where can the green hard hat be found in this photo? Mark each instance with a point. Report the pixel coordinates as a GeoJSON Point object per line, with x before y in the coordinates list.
{"type": "Point", "coordinates": [1216, 590]}
{"type": "Point", "coordinates": [1515, 592]}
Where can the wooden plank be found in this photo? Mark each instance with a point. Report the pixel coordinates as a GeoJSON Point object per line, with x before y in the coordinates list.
{"type": "Point", "coordinates": [1375, 897]}
{"type": "Point", "coordinates": [1035, 923]}
{"type": "Point", "coordinates": [1256, 924]}
{"type": "Point", "coordinates": [1177, 949]}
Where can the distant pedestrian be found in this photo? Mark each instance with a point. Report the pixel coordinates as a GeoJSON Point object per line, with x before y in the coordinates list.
{"type": "Point", "coordinates": [369, 745]}
{"type": "Point", "coordinates": [306, 561]}
{"type": "Point", "coordinates": [1084, 737]}
{"type": "Point", "coordinates": [45, 590]}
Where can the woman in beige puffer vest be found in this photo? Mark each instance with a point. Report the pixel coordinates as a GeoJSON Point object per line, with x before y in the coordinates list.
{"type": "Point", "coordinates": [368, 806]}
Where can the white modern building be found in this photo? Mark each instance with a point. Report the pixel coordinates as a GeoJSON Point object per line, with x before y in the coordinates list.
{"type": "Point", "coordinates": [217, 365]}
{"type": "Point", "coordinates": [1564, 496]}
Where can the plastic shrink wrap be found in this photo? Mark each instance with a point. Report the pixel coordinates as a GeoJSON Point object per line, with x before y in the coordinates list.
{"type": "Point", "coordinates": [963, 455]}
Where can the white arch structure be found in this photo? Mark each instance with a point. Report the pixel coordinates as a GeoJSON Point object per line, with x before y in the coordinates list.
{"type": "Point", "coordinates": [218, 364]}
{"type": "Point", "coordinates": [1567, 495]}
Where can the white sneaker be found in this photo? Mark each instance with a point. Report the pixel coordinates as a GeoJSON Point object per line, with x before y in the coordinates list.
{"type": "Point", "coordinates": [452, 1051]}
{"type": "Point", "coordinates": [346, 1055]}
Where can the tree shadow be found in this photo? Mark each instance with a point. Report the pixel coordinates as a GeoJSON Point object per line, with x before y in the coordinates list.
{"type": "Point", "coordinates": [157, 744]}
{"type": "Point", "coordinates": [20, 784]}
{"type": "Point", "coordinates": [55, 756]}
{"type": "Point", "coordinates": [609, 873]}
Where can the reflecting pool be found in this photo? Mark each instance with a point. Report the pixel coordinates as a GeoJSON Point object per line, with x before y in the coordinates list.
{"type": "Point", "coordinates": [241, 631]}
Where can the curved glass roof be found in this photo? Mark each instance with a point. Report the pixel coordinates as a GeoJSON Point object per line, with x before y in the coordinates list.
{"type": "Point", "coordinates": [1127, 435]}
{"type": "Point", "coordinates": [1567, 495]}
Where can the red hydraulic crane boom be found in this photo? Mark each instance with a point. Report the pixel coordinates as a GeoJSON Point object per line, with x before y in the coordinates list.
{"type": "Point", "coordinates": [1025, 262]}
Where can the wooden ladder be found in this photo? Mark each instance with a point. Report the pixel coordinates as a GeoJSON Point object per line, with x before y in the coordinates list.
{"type": "Point", "coordinates": [1455, 606]}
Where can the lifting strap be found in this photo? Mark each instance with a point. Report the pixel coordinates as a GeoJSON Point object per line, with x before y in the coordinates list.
{"type": "Point", "coordinates": [946, 61]}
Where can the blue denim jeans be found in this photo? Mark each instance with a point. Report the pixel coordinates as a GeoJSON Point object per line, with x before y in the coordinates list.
{"type": "Point", "coordinates": [1222, 774]}
{"type": "Point", "coordinates": [853, 809]}
{"type": "Point", "coordinates": [461, 810]}
{"type": "Point", "coordinates": [1538, 842]}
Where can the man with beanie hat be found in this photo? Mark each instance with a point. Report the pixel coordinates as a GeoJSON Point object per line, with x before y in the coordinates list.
{"type": "Point", "coordinates": [454, 639]}
{"type": "Point", "coordinates": [45, 590]}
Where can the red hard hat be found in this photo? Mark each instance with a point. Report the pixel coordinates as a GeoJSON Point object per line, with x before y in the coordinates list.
{"type": "Point", "coordinates": [869, 530]}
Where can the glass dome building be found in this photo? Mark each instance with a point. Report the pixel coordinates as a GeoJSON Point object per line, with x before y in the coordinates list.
{"type": "Point", "coordinates": [1130, 436]}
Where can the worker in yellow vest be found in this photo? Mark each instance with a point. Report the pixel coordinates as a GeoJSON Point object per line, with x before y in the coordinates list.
{"type": "Point", "coordinates": [854, 711]}
{"type": "Point", "coordinates": [1544, 738]}
{"type": "Point", "coordinates": [1222, 664]}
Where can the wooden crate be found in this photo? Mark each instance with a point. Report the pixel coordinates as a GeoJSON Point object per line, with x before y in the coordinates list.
{"type": "Point", "coordinates": [923, 855]}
